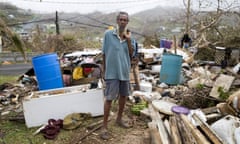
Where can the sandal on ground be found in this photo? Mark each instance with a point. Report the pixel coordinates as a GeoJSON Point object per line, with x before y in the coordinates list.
{"type": "Point", "coordinates": [105, 135]}
{"type": "Point", "coordinates": [123, 124]}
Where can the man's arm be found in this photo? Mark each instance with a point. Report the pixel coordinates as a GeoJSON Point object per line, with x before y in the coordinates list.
{"type": "Point", "coordinates": [129, 43]}
{"type": "Point", "coordinates": [130, 48]}
{"type": "Point", "coordinates": [103, 67]}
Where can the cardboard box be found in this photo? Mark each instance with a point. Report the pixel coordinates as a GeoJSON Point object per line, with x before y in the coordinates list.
{"type": "Point", "coordinates": [58, 103]}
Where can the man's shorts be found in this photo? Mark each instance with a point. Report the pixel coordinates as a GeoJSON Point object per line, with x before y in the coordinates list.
{"type": "Point", "coordinates": [115, 88]}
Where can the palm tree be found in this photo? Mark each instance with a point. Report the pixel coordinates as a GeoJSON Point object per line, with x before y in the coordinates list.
{"type": "Point", "coordinates": [13, 37]}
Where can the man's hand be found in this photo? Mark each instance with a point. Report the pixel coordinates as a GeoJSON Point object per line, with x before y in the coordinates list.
{"type": "Point", "coordinates": [128, 38]}
{"type": "Point", "coordinates": [134, 61]}
{"type": "Point", "coordinates": [127, 34]}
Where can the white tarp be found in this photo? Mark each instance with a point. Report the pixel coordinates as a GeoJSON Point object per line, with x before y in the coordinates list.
{"type": "Point", "coordinates": [80, 53]}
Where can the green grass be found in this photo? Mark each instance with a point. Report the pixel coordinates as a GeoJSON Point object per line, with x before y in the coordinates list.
{"type": "Point", "coordinates": [7, 79]}
{"type": "Point", "coordinates": [13, 129]}
{"type": "Point", "coordinates": [17, 133]}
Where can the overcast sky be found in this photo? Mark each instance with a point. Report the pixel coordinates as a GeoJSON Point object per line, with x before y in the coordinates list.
{"type": "Point", "coordinates": [106, 6]}
{"type": "Point", "coordinates": [86, 6]}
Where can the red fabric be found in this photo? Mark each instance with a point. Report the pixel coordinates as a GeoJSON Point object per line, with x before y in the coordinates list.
{"type": "Point", "coordinates": [87, 70]}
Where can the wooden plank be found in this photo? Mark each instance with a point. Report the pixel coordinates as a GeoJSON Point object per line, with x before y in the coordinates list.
{"type": "Point", "coordinates": [214, 116]}
{"type": "Point", "coordinates": [212, 113]}
{"type": "Point", "coordinates": [208, 131]}
{"type": "Point", "coordinates": [199, 137]}
{"type": "Point", "coordinates": [175, 135]}
{"type": "Point", "coordinates": [167, 125]}
{"type": "Point", "coordinates": [210, 110]}
{"type": "Point", "coordinates": [164, 135]}
{"type": "Point", "coordinates": [186, 136]}
{"type": "Point", "coordinates": [163, 106]}
{"type": "Point", "coordinates": [154, 134]}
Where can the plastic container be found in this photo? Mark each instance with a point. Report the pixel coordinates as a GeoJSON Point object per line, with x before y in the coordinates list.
{"type": "Point", "coordinates": [171, 69]}
{"type": "Point", "coordinates": [162, 41]}
{"type": "Point", "coordinates": [48, 72]}
{"type": "Point", "coordinates": [155, 68]}
{"type": "Point", "coordinates": [165, 43]}
{"type": "Point", "coordinates": [180, 110]}
{"type": "Point", "coordinates": [145, 86]}
{"type": "Point", "coordinates": [227, 128]}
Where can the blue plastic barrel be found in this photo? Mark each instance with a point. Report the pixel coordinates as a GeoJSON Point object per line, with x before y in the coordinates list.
{"type": "Point", "coordinates": [171, 69]}
{"type": "Point", "coordinates": [48, 72]}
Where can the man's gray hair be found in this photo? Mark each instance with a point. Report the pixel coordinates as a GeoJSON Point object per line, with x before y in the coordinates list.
{"type": "Point", "coordinates": [122, 13]}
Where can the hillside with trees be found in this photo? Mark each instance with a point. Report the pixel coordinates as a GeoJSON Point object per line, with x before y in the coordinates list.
{"type": "Point", "coordinates": [78, 31]}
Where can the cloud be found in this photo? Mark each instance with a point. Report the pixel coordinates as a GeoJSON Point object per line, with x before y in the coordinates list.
{"type": "Point", "coordinates": [87, 6]}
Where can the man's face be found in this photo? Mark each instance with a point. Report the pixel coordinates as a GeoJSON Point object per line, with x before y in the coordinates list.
{"type": "Point", "coordinates": [122, 22]}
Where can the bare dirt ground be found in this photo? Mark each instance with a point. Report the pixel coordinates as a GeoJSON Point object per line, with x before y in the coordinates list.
{"type": "Point", "coordinates": [14, 131]}
{"type": "Point", "coordinates": [137, 134]}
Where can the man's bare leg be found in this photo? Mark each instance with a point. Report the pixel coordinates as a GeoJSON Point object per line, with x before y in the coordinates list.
{"type": "Point", "coordinates": [107, 107]}
{"type": "Point", "coordinates": [121, 102]}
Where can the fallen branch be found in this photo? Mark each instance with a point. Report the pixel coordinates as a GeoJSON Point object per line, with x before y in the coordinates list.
{"type": "Point", "coordinates": [88, 133]}
{"type": "Point", "coordinates": [91, 126]}
{"type": "Point", "coordinates": [99, 125]}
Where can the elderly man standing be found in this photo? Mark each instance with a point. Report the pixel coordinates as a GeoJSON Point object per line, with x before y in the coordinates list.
{"type": "Point", "coordinates": [118, 48]}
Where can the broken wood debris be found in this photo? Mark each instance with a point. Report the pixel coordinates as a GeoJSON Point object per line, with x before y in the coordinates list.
{"type": "Point", "coordinates": [199, 88]}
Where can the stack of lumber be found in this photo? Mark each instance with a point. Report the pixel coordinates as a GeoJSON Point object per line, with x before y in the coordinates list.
{"type": "Point", "coordinates": [178, 129]}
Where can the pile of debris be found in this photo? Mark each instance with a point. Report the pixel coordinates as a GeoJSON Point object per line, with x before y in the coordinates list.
{"type": "Point", "coordinates": [203, 107]}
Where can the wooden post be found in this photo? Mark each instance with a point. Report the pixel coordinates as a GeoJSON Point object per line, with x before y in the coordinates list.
{"type": "Point", "coordinates": [199, 137]}
{"type": "Point", "coordinates": [208, 131]}
{"type": "Point", "coordinates": [175, 134]}
{"type": "Point", "coordinates": [135, 74]}
{"type": "Point", "coordinates": [175, 44]}
{"type": "Point", "coordinates": [164, 135]}
{"type": "Point", "coordinates": [57, 24]}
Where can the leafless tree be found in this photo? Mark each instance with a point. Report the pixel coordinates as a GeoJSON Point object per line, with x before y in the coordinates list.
{"type": "Point", "coordinates": [206, 21]}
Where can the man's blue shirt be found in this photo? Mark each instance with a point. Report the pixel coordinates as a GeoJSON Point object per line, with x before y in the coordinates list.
{"type": "Point", "coordinates": [117, 60]}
